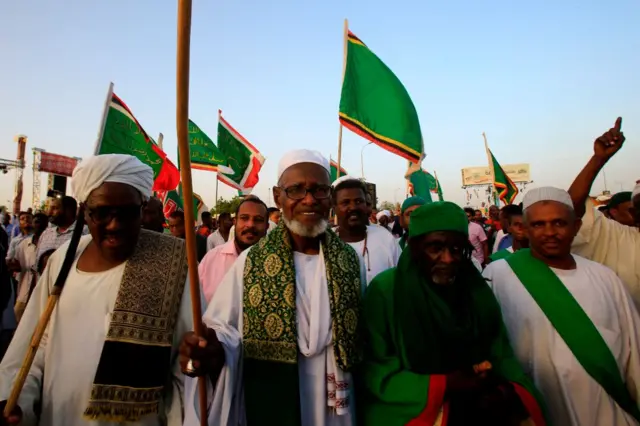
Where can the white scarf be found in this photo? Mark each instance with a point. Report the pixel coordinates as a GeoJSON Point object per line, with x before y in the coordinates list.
{"type": "Point", "coordinates": [315, 336]}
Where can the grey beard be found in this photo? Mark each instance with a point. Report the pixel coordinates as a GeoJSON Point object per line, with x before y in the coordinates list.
{"type": "Point", "coordinates": [305, 231]}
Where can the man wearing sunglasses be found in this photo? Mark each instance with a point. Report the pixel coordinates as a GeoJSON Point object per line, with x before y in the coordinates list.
{"type": "Point", "coordinates": [110, 350]}
{"type": "Point", "coordinates": [285, 315]}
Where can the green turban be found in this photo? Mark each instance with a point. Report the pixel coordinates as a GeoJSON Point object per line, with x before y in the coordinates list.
{"type": "Point", "coordinates": [438, 216]}
{"type": "Point", "coordinates": [412, 201]}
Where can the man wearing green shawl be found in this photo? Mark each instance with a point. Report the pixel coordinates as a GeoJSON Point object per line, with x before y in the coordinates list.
{"type": "Point", "coordinates": [436, 350]}
{"type": "Point", "coordinates": [282, 330]}
{"type": "Point", "coordinates": [408, 206]}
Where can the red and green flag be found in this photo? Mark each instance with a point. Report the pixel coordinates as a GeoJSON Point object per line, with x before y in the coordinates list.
{"type": "Point", "coordinates": [123, 134]}
{"type": "Point", "coordinates": [243, 158]}
{"type": "Point", "coordinates": [173, 200]}
{"type": "Point", "coordinates": [205, 155]}
{"type": "Point", "coordinates": [375, 105]}
{"type": "Point", "coordinates": [504, 186]}
{"type": "Point", "coordinates": [334, 171]}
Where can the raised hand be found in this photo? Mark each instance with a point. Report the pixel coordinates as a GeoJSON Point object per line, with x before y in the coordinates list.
{"type": "Point", "coordinates": [610, 142]}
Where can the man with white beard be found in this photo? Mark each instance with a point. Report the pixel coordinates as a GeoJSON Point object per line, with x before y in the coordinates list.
{"type": "Point", "coordinates": [280, 337]}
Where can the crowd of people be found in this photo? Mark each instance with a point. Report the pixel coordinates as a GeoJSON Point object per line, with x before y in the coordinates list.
{"type": "Point", "coordinates": [431, 315]}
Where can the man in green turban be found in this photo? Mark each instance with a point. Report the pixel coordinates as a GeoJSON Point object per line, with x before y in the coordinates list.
{"type": "Point", "coordinates": [436, 349]}
{"type": "Point", "coordinates": [408, 206]}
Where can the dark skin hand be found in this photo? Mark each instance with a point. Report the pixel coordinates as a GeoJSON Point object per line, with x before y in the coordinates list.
{"type": "Point", "coordinates": [13, 419]}
{"type": "Point", "coordinates": [604, 147]}
{"type": "Point", "coordinates": [206, 353]}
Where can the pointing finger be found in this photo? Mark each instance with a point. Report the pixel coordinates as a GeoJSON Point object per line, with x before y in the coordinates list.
{"type": "Point", "coordinates": [618, 124]}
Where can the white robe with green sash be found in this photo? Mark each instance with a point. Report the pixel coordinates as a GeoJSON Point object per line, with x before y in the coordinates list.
{"type": "Point", "coordinates": [572, 396]}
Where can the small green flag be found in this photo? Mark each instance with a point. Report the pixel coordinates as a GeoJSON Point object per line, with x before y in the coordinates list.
{"type": "Point", "coordinates": [334, 171]}
{"type": "Point", "coordinates": [420, 184]}
{"type": "Point", "coordinates": [507, 190]}
{"type": "Point", "coordinates": [124, 135]}
{"type": "Point", "coordinates": [205, 155]}
{"type": "Point", "coordinates": [244, 158]}
{"type": "Point", "coordinates": [173, 200]}
{"type": "Point", "coordinates": [375, 105]}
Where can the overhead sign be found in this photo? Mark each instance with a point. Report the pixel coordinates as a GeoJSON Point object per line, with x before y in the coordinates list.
{"type": "Point", "coordinates": [482, 175]}
{"type": "Point", "coordinates": [57, 164]}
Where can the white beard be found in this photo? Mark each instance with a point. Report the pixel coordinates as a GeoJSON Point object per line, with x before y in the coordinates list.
{"type": "Point", "coordinates": [305, 231]}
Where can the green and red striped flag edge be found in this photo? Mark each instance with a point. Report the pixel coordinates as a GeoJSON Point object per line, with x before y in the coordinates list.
{"type": "Point", "coordinates": [169, 176]}
{"type": "Point", "coordinates": [333, 165]}
{"type": "Point", "coordinates": [390, 144]}
{"type": "Point", "coordinates": [506, 189]}
{"type": "Point", "coordinates": [251, 176]}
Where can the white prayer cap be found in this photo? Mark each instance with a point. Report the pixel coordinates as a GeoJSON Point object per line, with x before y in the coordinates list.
{"type": "Point", "coordinates": [636, 190]}
{"type": "Point", "coordinates": [343, 179]}
{"type": "Point", "coordinates": [546, 193]}
{"type": "Point", "coordinates": [386, 213]}
{"type": "Point", "coordinates": [98, 169]}
{"type": "Point", "coordinates": [299, 156]}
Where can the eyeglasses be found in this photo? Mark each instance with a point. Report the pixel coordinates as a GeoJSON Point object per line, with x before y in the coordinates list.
{"type": "Point", "coordinates": [298, 192]}
{"type": "Point", "coordinates": [105, 214]}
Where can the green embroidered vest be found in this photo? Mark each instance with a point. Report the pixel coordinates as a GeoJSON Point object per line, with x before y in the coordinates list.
{"type": "Point", "coordinates": [269, 299]}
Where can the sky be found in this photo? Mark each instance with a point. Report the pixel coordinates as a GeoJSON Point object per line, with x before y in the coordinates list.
{"type": "Point", "coordinates": [542, 79]}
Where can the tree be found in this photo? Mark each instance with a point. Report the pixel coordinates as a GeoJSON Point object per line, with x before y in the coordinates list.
{"type": "Point", "coordinates": [387, 205]}
{"type": "Point", "coordinates": [226, 206]}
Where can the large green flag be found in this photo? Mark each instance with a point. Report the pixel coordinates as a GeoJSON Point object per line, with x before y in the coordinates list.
{"type": "Point", "coordinates": [507, 190]}
{"type": "Point", "coordinates": [334, 171]}
{"type": "Point", "coordinates": [124, 135]}
{"type": "Point", "coordinates": [375, 105]}
{"type": "Point", "coordinates": [245, 159]}
{"type": "Point", "coordinates": [205, 155]}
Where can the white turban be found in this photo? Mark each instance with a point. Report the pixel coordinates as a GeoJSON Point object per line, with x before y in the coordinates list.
{"type": "Point", "coordinates": [636, 190]}
{"type": "Point", "coordinates": [94, 171]}
{"type": "Point", "coordinates": [344, 179]}
{"type": "Point", "coordinates": [386, 213]}
{"type": "Point", "coordinates": [299, 156]}
{"type": "Point", "coordinates": [546, 193]}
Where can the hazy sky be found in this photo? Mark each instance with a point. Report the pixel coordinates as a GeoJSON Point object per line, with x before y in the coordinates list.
{"type": "Point", "coordinates": [542, 79]}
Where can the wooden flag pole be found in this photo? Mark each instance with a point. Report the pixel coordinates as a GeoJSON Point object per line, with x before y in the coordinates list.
{"type": "Point", "coordinates": [160, 139]}
{"type": "Point", "coordinates": [344, 67]}
{"type": "Point", "coordinates": [41, 327]}
{"type": "Point", "coordinates": [103, 121]}
{"type": "Point", "coordinates": [182, 120]}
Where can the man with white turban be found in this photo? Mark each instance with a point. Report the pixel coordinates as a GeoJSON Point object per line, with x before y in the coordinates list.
{"type": "Point", "coordinates": [110, 351]}
{"type": "Point", "coordinates": [384, 217]}
{"type": "Point", "coordinates": [377, 249]}
{"type": "Point", "coordinates": [601, 239]}
{"type": "Point", "coordinates": [571, 322]}
{"type": "Point", "coordinates": [281, 337]}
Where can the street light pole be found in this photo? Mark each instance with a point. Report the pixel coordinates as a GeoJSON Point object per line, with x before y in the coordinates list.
{"type": "Point", "coordinates": [362, 158]}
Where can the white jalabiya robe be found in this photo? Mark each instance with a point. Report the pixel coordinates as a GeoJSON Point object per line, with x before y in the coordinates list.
{"type": "Point", "coordinates": [383, 251]}
{"type": "Point", "coordinates": [315, 343]}
{"type": "Point", "coordinates": [614, 245]}
{"type": "Point", "coordinates": [71, 348]}
{"type": "Point", "coordinates": [571, 395]}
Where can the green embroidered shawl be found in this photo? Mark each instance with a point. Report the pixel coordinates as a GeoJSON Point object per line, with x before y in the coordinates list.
{"type": "Point", "coordinates": [269, 330]}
